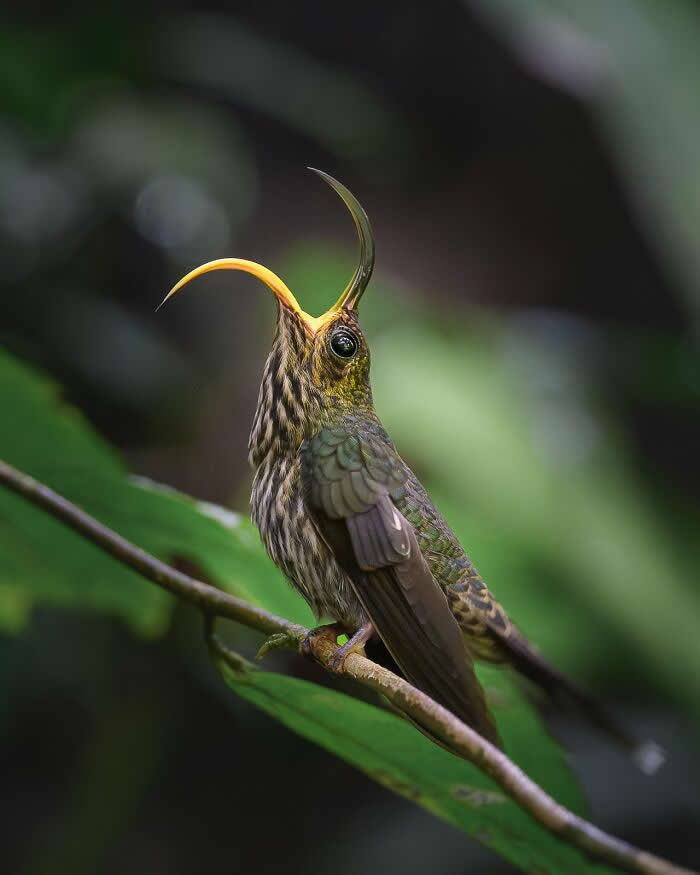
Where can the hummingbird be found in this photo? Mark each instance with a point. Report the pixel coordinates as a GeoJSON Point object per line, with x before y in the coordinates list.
{"type": "Point", "coordinates": [351, 526]}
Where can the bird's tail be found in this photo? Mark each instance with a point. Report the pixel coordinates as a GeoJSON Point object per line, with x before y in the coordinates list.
{"type": "Point", "coordinates": [647, 754]}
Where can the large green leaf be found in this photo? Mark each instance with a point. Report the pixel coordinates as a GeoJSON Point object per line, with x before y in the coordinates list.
{"type": "Point", "coordinates": [389, 750]}
{"type": "Point", "coordinates": [41, 560]}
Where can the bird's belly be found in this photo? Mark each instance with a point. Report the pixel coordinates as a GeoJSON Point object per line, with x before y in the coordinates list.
{"type": "Point", "coordinates": [294, 545]}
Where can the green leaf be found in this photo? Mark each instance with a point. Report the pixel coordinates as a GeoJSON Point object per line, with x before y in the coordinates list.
{"type": "Point", "coordinates": [43, 561]}
{"type": "Point", "coordinates": [392, 752]}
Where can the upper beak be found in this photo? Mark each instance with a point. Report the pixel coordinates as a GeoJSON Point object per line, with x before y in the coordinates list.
{"type": "Point", "coordinates": [350, 298]}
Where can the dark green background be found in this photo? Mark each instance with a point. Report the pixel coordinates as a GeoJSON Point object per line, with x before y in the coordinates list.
{"type": "Point", "coordinates": [530, 171]}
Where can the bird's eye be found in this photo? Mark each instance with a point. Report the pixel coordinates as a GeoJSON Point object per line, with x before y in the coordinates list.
{"type": "Point", "coordinates": [344, 344]}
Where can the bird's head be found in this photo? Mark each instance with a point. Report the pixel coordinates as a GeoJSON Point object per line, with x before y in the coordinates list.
{"type": "Point", "coordinates": [318, 369]}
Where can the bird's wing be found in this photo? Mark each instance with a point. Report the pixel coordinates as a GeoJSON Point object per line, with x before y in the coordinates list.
{"type": "Point", "coordinates": [351, 483]}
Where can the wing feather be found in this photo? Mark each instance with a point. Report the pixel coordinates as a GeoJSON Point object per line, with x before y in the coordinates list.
{"type": "Point", "coordinates": [351, 481]}
{"type": "Point", "coordinates": [351, 495]}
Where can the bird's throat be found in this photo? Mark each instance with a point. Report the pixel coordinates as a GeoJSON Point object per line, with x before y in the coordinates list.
{"type": "Point", "coordinates": [287, 402]}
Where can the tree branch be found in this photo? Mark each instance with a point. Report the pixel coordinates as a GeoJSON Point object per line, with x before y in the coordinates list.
{"type": "Point", "coordinates": [441, 722]}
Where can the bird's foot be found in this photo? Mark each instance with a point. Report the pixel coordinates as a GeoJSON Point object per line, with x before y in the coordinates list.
{"type": "Point", "coordinates": [329, 631]}
{"type": "Point", "coordinates": [278, 641]}
{"type": "Point", "coordinates": [356, 644]}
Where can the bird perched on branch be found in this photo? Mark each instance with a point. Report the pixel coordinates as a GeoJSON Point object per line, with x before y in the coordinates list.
{"type": "Point", "coordinates": [350, 524]}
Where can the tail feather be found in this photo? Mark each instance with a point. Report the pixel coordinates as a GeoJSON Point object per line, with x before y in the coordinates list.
{"type": "Point", "coordinates": [648, 755]}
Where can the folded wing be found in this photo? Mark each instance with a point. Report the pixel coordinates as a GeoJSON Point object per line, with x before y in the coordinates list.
{"type": "Point", "coordinates": [352, 483]}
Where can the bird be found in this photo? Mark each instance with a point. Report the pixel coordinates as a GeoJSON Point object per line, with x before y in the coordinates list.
{"type": "Point", "coordinates": [350, 524]}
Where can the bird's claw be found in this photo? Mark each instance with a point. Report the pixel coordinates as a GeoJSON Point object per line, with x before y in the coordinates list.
{"type": "Point", "coordinates": [356, 644]}
{"type": "Point", "coordinates": [329, 631]}
{"type": "Point", "coordinates": [337, 661]}
{"type": "Point", "coordinates": [276, 642]}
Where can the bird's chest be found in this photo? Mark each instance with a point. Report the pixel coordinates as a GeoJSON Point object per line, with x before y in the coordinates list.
{"type": "Point", "coordinates": [280, 512]}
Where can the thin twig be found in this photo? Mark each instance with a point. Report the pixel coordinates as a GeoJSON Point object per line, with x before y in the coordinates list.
{"type": "Point", "coordinates": [441, 722]}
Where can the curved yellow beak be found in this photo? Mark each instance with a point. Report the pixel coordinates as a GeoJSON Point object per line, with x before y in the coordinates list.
{"type": "Point", "coordinates": [271, 280]}
{"type": "Point", "coordinates": [349, 298]}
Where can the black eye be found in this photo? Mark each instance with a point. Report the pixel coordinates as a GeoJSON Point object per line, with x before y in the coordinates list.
{"type": "Point", "coordinates": [344, 344]}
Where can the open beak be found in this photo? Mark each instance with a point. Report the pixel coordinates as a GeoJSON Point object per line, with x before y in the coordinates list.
{"type": "Point", "coordinates": [350, 297]}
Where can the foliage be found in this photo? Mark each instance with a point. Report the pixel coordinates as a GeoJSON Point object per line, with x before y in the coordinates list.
{"type": "Point", "coordinates": [43, 561]}
{"type": "Point", "coordinates": [390, 751]}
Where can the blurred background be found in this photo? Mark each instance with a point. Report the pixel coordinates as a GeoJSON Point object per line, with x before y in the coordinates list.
{"type": "Point", "coordinates": [531, 172]}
